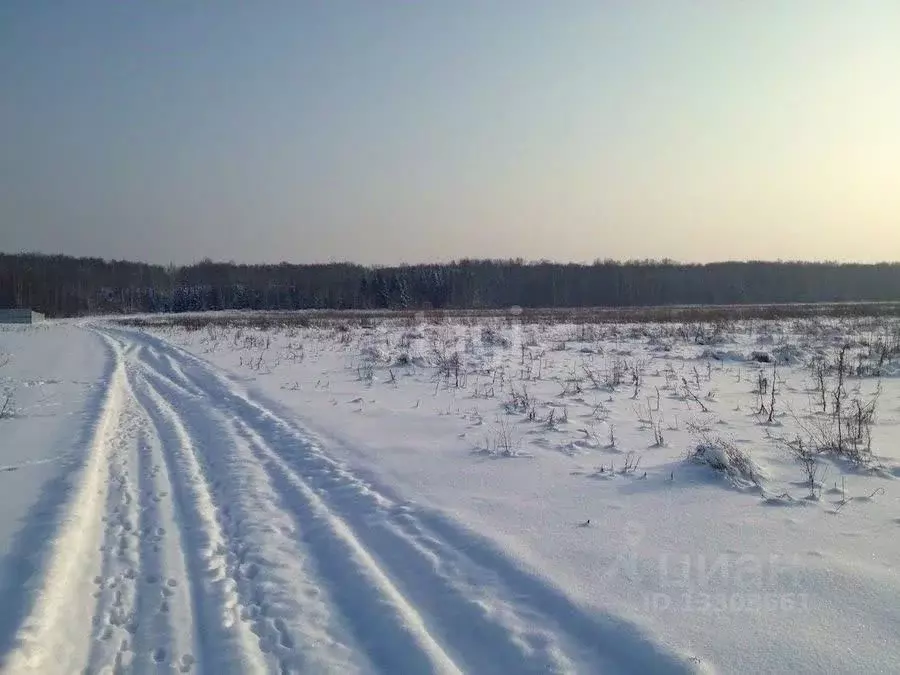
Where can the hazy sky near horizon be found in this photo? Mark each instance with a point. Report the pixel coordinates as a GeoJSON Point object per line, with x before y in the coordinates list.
{"type": "Point", "coordinates": [388, 131]}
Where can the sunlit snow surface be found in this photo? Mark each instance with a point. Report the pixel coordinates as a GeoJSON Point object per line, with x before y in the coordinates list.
{"type": "Point", "coordinates": [476, 496]}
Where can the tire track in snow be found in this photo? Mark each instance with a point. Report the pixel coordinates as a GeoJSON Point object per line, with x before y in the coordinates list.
{"type": "Point", "coordinates": [163, 365]}
{"type": "Point", "coordinates": [166, 571]}
{"type": "Point", "coordinates": [474, 607]}
{"type": "Point", "coordinates": [385, 625]}
{"type": "Point", "coordinates": [224, 642]}
{"type": "Point", "coordinates": [465, 602]}
{"type": "Point", "coordinates": [281, 596]}
{"type": "Point", "coordinates": [115, 620]}
{"type": "Point", "coordinates": [164, 597]}
{"type": "Point", "coordinates": [51, 638]}
{"type": "Point", "coordinates": [144, 591]}
{"type": "Point", "coordinates": [128, 629]}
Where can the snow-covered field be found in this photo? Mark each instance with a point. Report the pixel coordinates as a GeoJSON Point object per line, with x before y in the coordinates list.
{"type": "Point", "coordinates": [475, 496]}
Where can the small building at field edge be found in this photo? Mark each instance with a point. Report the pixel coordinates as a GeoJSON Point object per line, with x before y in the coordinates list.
{"type": "Point", "coordinates": [20, 316]}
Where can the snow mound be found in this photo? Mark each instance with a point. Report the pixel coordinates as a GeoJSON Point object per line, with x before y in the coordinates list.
{"type": "Point", "coordinates": [725, 457]}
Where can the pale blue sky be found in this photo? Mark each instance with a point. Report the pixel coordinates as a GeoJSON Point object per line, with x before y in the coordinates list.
{"type": "Point", "coordinates": [386, 131]}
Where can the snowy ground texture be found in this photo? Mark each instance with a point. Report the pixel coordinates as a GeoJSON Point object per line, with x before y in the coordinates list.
{"type": "Point", "coordinates": [469, 496]}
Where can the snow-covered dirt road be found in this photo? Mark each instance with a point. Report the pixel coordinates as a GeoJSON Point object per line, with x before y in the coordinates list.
{"type": "Point", "coordinates": [211, 533]}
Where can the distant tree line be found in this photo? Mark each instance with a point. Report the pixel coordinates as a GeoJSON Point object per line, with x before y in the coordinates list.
{"type": "Point", "coordinates": [65, 286]}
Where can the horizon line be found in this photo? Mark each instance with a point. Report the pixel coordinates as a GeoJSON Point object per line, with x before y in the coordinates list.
{"type": "Point", "coordinates": [518, 260]}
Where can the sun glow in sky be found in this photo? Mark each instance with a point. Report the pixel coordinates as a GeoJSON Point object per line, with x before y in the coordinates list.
{"type": "Point", "coordinates": [383, 132]}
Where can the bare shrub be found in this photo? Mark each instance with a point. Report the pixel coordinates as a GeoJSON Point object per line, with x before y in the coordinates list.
{"type": "Point", "coordinates": [632, 462]}
{"type": "Point", "coordinates": [491, 337]}
{"type": "Point", "coordinates": [819, 370]}
{"type": "Point", "coordinates": [503, 442]}
{"type": "Point", "coordinates": [813, 471]}
{"type": "Point", "coordinates": [7, 399]}
{"type": "Point", "coordinates": [659, 440]}
{"type": "Point", "coordinates": [7, 404]}
{"type": "Point", "coordinates": [365, 372]}
{"type": "Point", "coordinates": [450, 369]}
{"type": "Point", "coordinates": [519, 402]}
{"type": "Point", "coordinates": [846, 429]}
{"type": "Point", "coordinates": [692, 396]}
{"type": "Point", "coordinates": [612, 376]}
